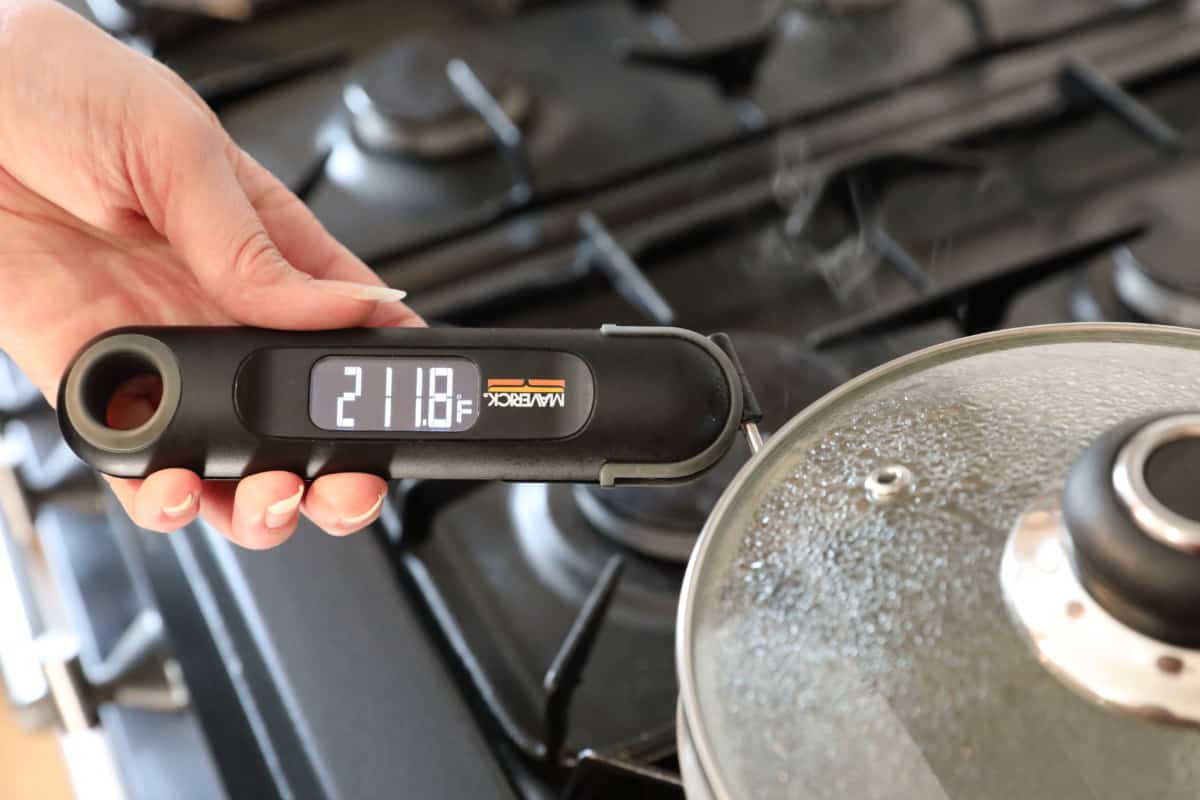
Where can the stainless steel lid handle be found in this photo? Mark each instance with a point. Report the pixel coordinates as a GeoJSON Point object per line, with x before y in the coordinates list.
{"type": "Point", "coordinates": [1104, 577]}
{"type": "Point", "coordinates": [1131, 509]}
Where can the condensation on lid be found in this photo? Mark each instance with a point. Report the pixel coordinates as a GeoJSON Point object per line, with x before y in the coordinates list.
{"type": "Point", "coordinates": [841, 647]}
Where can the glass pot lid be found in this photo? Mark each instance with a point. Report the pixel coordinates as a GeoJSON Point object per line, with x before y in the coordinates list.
{"type": "Point", "coordinates": [844, 631]}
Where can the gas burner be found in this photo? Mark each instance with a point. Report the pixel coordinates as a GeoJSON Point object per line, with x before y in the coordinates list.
{"type": "Point", "coordinates": [1151, 278]}
{"type": "Point", "coordinates": [1093, 296]}
{"type": "Point", "coordinates": [568, 556]}
{"type": "Point", "coordinates": [509, 571]}
{"type": "Point", "coordinates": [1153, 293]}
{"type": "Point", "coordinates": [1126, 289]}
{"type": "Point", "coordinates": [663, 522]}
{"type": "Point", "coordinates": [402, 102]}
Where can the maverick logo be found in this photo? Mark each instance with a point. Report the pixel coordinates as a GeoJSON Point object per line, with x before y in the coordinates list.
{"type": "Point", "coordinates": [531, 393]}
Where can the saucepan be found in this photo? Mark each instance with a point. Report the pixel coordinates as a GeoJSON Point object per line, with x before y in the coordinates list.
{"type": "Point", "coordinates": [973, 572]}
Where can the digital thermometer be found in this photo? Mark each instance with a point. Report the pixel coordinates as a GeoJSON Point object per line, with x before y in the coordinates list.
{"type": "Point", "coordinates": [617, 405]}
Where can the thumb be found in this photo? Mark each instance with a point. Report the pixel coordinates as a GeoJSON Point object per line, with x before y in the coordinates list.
{"type": "Point", "coordinates": [211, 223]}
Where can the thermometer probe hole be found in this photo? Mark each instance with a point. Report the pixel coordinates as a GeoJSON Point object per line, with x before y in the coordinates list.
{"type": "Point", "coordinates": [122, 391]}
{"type": "Point", "coordinates": [120, 394]}
{"type": "Point", "coordinates": [134, 403]}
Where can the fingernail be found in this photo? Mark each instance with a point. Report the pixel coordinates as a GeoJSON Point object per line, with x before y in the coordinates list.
{"type": "Point", "coordinates": [283, 512]}
{"type": "Point", "coordinates": [350, 522]}
{"type": "Point", "coordinates": [182, 508]}
{"type": "Point", "coordinates": [362, 291]}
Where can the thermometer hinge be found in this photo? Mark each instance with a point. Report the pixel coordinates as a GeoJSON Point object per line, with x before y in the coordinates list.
{"type": "Point", "coordinates": [751, 411]}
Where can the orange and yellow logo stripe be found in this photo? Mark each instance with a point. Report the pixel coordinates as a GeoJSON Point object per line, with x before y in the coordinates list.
{"type": "Point", "coordinates": [530, 386]}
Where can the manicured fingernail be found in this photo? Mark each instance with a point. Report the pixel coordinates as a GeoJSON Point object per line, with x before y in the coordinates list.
{"type": "Point", "coordinates": [182, 508]}
{"type": "Point", "coordinates": [363, 518]}
{"type": "Point", "coordinates": [362, 291]}
{"type": "Point", "coordinates": [281, 513]}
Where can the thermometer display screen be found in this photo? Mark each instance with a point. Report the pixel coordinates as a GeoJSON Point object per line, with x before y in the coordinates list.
{"type": "Point", "coordinates": [394, 394]}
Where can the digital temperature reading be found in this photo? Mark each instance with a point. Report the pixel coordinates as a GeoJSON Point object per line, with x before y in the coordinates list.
{"type": "Point", "coordinates": [394, 394]}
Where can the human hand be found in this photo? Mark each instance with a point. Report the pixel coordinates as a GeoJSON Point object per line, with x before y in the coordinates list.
{"type": "Point", "coordinates": [124, 202]}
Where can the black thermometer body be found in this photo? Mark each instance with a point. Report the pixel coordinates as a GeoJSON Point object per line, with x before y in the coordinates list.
{"type": "Point", "coordinates": [615, 405]}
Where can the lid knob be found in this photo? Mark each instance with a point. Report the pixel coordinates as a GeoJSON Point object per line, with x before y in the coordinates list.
{"type": "Point", "coordinates": [1132, 508]}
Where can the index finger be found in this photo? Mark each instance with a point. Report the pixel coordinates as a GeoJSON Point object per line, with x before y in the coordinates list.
{"type": "Point", "coordinates": [305, 243]}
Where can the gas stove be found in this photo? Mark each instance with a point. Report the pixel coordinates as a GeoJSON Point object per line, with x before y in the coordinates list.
{"type": "Point", "coordinates": [832, 182]}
